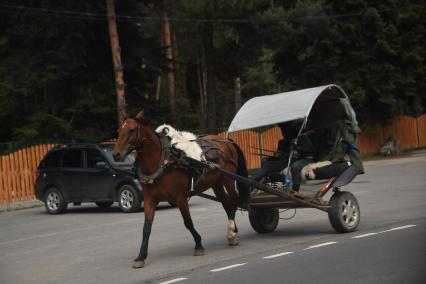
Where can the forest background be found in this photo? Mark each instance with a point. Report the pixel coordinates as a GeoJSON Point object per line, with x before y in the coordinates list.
{"type": "Point", "coordinates": [57, 77]}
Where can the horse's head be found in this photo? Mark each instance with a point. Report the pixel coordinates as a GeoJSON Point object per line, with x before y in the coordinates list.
{"type": "Point", "coordinates": [130, 137]}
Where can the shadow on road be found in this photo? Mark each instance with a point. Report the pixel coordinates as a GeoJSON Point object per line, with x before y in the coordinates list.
{"type": "Point", "coordinates": [93, 209]}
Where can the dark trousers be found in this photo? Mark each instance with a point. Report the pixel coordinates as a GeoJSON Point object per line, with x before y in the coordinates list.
{"type": "Point", "coordinates": [332, 170]}
{"type": "Point", "coordinates": [296, 171]}
{"type": "Point", "coordinates": [269, 166]}
{"type": "Point", "coordinates": [329, 171]}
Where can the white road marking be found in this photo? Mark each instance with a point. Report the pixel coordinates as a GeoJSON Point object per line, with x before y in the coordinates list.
{"type": "Point", "coordinates": [386, 231]}
{"type": "Point", "coordinates": [228, 267]}
{"type": "Point", "coordinates": [173, 280]}
{"type": "Point", "coordinates": [277, 255]}
{"type": "Point", "coordinates": [320, 245]}
{"type": "Point", "coordinates": [400, 228]}
{"type": "Point", "coordinates": [365, 235]}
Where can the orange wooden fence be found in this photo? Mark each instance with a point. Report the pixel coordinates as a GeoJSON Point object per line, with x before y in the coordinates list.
{"type": "Point", "coordinates": [421, 130]}
{"type": "Point", "coordinates": [370, 139]}
{"type": "Point", "coordinates": [404, 129]}
{"type": "Point", "coordinates": [410, 131]}
{"type": "Point", "coordinates": [17, 169]}
{"type": "Point", "coordinates": [17, 173]}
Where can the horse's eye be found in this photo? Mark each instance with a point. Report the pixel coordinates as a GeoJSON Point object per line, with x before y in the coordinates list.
{"type": "Point", "coordinates": [131, 130]}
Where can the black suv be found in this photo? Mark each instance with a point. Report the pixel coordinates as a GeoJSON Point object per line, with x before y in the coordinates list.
{"type": "Point", "coordinates": [86, 173]}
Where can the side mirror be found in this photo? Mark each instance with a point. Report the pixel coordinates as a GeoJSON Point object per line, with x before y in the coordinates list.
{"type": "Point", "coordinates": [101, 165]}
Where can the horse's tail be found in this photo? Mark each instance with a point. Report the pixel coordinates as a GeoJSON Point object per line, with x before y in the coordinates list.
{"type": "Point", "coordinates": [243, 189]}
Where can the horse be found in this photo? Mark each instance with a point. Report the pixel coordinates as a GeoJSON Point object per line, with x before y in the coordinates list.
{"type": "Point", "coordinates": [172, 184]}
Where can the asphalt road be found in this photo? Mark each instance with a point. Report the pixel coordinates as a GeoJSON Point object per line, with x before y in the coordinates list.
{"type": "Point", "coordinates": [90, 245]}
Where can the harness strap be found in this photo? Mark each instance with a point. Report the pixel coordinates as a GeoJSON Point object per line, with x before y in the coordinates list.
{"type": "Point", "coordinates": [206, 145]}
{"type": "Point", "coordinates": [211, 146]}
{"type": "Point", "coordinates": [164, 162]}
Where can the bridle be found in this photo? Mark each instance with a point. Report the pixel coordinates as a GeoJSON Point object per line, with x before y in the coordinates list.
{"type": "Point", "coordinates": [164, 156]}
{"type": "Point", "coordinates": [140, 140]}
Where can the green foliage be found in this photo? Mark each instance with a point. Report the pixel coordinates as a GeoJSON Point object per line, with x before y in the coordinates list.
{"type": "Point", "coordinates": [261, 79]}
{"type": "Point", "coordinates": [57, 81]}
{"type": "Point", "coordinates": [56, 75]}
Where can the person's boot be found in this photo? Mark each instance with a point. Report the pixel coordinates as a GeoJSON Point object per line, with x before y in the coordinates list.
{"type": "Point", "coordinates": [295, 187]}
{"type": "Point", "coordinates": [295, 191]}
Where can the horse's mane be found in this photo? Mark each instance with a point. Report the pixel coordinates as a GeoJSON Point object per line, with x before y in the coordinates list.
{"type": "Point", "coordinates": [183, 140]}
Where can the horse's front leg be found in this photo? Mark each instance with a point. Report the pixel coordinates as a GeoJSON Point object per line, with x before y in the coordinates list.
{"type": "Point", "coordinates": [233, 239]}
{"type": "Point", "coordinates": [229, 202]}
{"type": "Point", "coordinates": [149, 210]}
{"type": "Point", "coordinates": [187, 220]}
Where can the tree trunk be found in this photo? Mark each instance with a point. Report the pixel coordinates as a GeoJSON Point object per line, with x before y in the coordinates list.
{"type": "Point", "coordinates": [237, 94]}
{"type": "Point", "coordinates": [178, 68]}
{"type": "Point", "coordinates": [116, 59]}
{"type": "Point", "coordinates": [169, 56]}
{"type": "Point", "coordinates": [157, 93]}
{"type": "Point", "coordinates": [211, 102]}
{"type": "Point", "coordinates": [202, 86]}
{"type": "Point", "coordinates": [211, 87]}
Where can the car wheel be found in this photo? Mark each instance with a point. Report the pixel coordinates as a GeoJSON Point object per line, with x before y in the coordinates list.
{"type": "Point", "coordinates": [344, 212]}
{"type": "Point", "coordinates": [264, 220]}
{"type": "Point", "coordinates": [54, 201]}
{"type": "Point", "coordinates": [104, 204]}
{"type": "Point", "coordinates": [128, 199]}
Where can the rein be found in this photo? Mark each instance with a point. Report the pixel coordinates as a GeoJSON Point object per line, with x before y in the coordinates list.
{"type": "Point", "coordinates": [141, 140]}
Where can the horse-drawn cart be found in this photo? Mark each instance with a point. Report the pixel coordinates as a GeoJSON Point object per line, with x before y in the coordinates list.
{"type": "Point", "coordinates": [169, 160]}
{"type": "Point", "coordinates": [323, 105]}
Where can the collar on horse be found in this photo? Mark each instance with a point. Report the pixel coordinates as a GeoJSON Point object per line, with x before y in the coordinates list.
{"type": "Point", "coordinates": [164, 162]}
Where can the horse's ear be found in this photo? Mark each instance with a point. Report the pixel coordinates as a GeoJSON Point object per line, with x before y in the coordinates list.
{"type": "Point", "coordinates": [140, 116]}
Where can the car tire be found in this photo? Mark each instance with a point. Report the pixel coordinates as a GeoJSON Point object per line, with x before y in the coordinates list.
{"type": "Point", "coordinates": [344, 212]}
{"type": "Point", "coordinates": [129, 199]}
{"type": "Point", "coordinates": [264, 220]}
{"type": "Point", "coordinates": [104, 205]}
{"type": "Point", "coordinates": [54, 201]}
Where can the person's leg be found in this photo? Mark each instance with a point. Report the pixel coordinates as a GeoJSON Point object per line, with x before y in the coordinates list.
{"type": "Point", "coordinates": [268, 167]}
{"type": "Point", "coordinates": [332, 170]}
{"type": "Point", "coordinates": [296, 172]}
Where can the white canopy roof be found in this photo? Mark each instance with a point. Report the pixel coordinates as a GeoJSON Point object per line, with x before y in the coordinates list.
{"type": "Point", "coordinates": [273, 109]}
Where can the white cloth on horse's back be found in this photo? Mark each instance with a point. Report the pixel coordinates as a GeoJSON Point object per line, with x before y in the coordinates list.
{"type": "Point", "coordinates": [183, 140]}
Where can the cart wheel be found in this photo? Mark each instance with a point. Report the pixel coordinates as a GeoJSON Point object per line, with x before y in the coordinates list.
{"type": "Point", "coordinates": [344, 212]}
{"type": "Point", "coordinates": [264, 220]}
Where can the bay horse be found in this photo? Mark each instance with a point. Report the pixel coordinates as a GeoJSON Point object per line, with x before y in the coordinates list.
{"type": "Point", "coordinates": [173, 185]}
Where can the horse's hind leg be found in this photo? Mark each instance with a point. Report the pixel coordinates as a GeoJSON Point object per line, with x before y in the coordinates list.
{"type": "Point", "coordinates": [187, 220]}
{"type": "Point", "coordinates": [229, 203]}
{"type": "Point", "coordinates": [149, 209]}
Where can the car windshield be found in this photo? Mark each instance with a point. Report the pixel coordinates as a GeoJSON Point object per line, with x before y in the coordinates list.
{"type": "Point", "coordinates": [127, 163]}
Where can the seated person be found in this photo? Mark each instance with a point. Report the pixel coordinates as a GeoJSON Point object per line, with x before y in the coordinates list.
{"type": "Point", "coordinates": [335, 153]}
{"type": "Point", "coordinates": [279, 160]}
{"type": "Point", "coordinates": [304, 156]}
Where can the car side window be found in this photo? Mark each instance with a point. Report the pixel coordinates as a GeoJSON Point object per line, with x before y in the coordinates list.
{"type": "Point", "coordinates": [93, 156]}
{"type": "Point", "coordinates": [72, 159]}
{"type": "Point", "coordinates": [53, 159]}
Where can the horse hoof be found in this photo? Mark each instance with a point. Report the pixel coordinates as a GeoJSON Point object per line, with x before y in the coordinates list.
{"type": "Point", "coordinates": [234, 241]}
{"type": "Point", "coordinates": [199, 252]}
{"type": "Point", "coordinates": [138, 264]}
